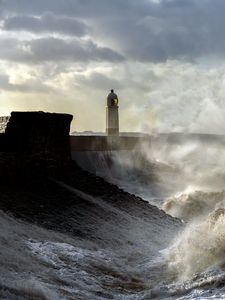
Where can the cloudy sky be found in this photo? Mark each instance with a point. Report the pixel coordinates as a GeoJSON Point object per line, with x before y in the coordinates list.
{"type": "Point", "coordinates": [164, 58]}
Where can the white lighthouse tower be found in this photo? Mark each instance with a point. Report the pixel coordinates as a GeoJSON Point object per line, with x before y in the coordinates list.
{"type": "Point", "coordinates": [112, 115]}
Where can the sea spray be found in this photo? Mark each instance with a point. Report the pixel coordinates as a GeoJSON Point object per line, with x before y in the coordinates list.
{"type": "Point", "coordinates": [199, 248]}
{"type": "Point", "coordinates": [118, 255]}
{"type": "Point", "coordinates": [195, 204]}
{"type": "Point", "coordinates": [115, 257]}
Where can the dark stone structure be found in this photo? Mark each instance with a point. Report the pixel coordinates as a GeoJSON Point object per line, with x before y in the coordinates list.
{"type": "Point", "coordinates": [36, 142]}
{"type": "Point", "coordinates": [39, 132]}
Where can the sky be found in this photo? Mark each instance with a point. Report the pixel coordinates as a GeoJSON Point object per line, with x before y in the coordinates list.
{"type": "Point", "coordinates": [164, 58]}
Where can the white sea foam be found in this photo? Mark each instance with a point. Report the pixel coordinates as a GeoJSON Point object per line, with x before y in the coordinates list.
{"type": "Point", "coordinates": [200, 247]}
{"type": "Point", "coordinates": [40, 264]}
{"type": "Point", "coordinates": [197, 204]}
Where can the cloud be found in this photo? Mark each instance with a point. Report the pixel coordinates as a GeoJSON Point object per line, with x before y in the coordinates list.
{"type": "Point", "coordinates": [151, 31]}
{"type": "Point", "coordinates": [98, 80]}
{"type": "Point", "coordinates": [163, 57]}
{"type": "Point", "coordinates": [79, 8]}
{"type": "Point", "coordinates": [177, 96]}
{"type": "Point", "coordinates": [55, 49]}
{"type": "Point", "coordinates": [145, 31]}
{"type": "Point", "coordinates": [46, 23]}
{"type": "Point", "coordinates": [31, 86]}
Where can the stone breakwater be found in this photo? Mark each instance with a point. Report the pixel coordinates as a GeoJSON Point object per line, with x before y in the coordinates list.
{"type": "Point", "coordinates": [38, 177]}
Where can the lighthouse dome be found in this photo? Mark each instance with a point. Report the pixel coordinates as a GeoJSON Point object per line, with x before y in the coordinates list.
{"type": "Point", "coordinates": [112, 99]}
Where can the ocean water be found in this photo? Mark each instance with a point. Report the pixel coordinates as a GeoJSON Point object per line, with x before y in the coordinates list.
{"type": "Point", "coordinates": [126, 256]}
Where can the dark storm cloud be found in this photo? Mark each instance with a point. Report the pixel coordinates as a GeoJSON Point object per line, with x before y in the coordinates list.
{"type": "Point", "coordinates": [170, 30]}
{"type": "Point", "coordinates": [142, 30]}
{"type": "Point", "coordinates": [46, 23]}
{"type": "Point", "coordinates": [47, 49]}
{"type": "Point", "coordinates": [79, 8]}
{"type": "Point", "coordinates": [55, 49]}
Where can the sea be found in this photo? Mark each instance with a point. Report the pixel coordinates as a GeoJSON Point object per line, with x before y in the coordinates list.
{"type": "Point", "coordinates": [128, 257]}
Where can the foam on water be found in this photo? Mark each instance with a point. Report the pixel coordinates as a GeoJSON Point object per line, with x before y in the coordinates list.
{"type": "Point", "coordinates": [194, 204]}
{"type": "Point", "coordinates": [129, 257]}
{"type": "Point", "coordinates": [42, 264]}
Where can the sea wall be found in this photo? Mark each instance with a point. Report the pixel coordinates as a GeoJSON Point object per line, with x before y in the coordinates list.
{"type": "Point", "coordinates": [82, 143]}
{"type": "Point", "coordinates": [97, 154]}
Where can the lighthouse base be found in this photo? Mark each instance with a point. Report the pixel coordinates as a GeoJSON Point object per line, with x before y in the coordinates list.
{"type": "Point", "coordinates": [112, 121]}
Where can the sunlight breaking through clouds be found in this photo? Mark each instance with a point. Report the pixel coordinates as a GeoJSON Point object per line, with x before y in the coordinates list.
{"type": "Point", "coordinates": [164, 58]}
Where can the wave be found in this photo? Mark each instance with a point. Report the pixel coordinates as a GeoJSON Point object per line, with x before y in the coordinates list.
{"type": "Point", "coordinates": [116, 257]}
{"type": "Point", "coordinates": [109, 247]}
{"type": "Point", "coordinates": [200, 247]}
{"type": "Point", "coordinates": [196, 204]}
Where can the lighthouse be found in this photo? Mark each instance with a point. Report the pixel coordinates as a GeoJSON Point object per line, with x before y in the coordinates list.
{"type": "Point", "coordinates": [112, 115]}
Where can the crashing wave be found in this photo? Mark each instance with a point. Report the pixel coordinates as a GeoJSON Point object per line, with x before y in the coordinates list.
{"type": "Point", "coordinates": [188, 206]}
{"type": "Point", "coordinates": [199, 248]}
